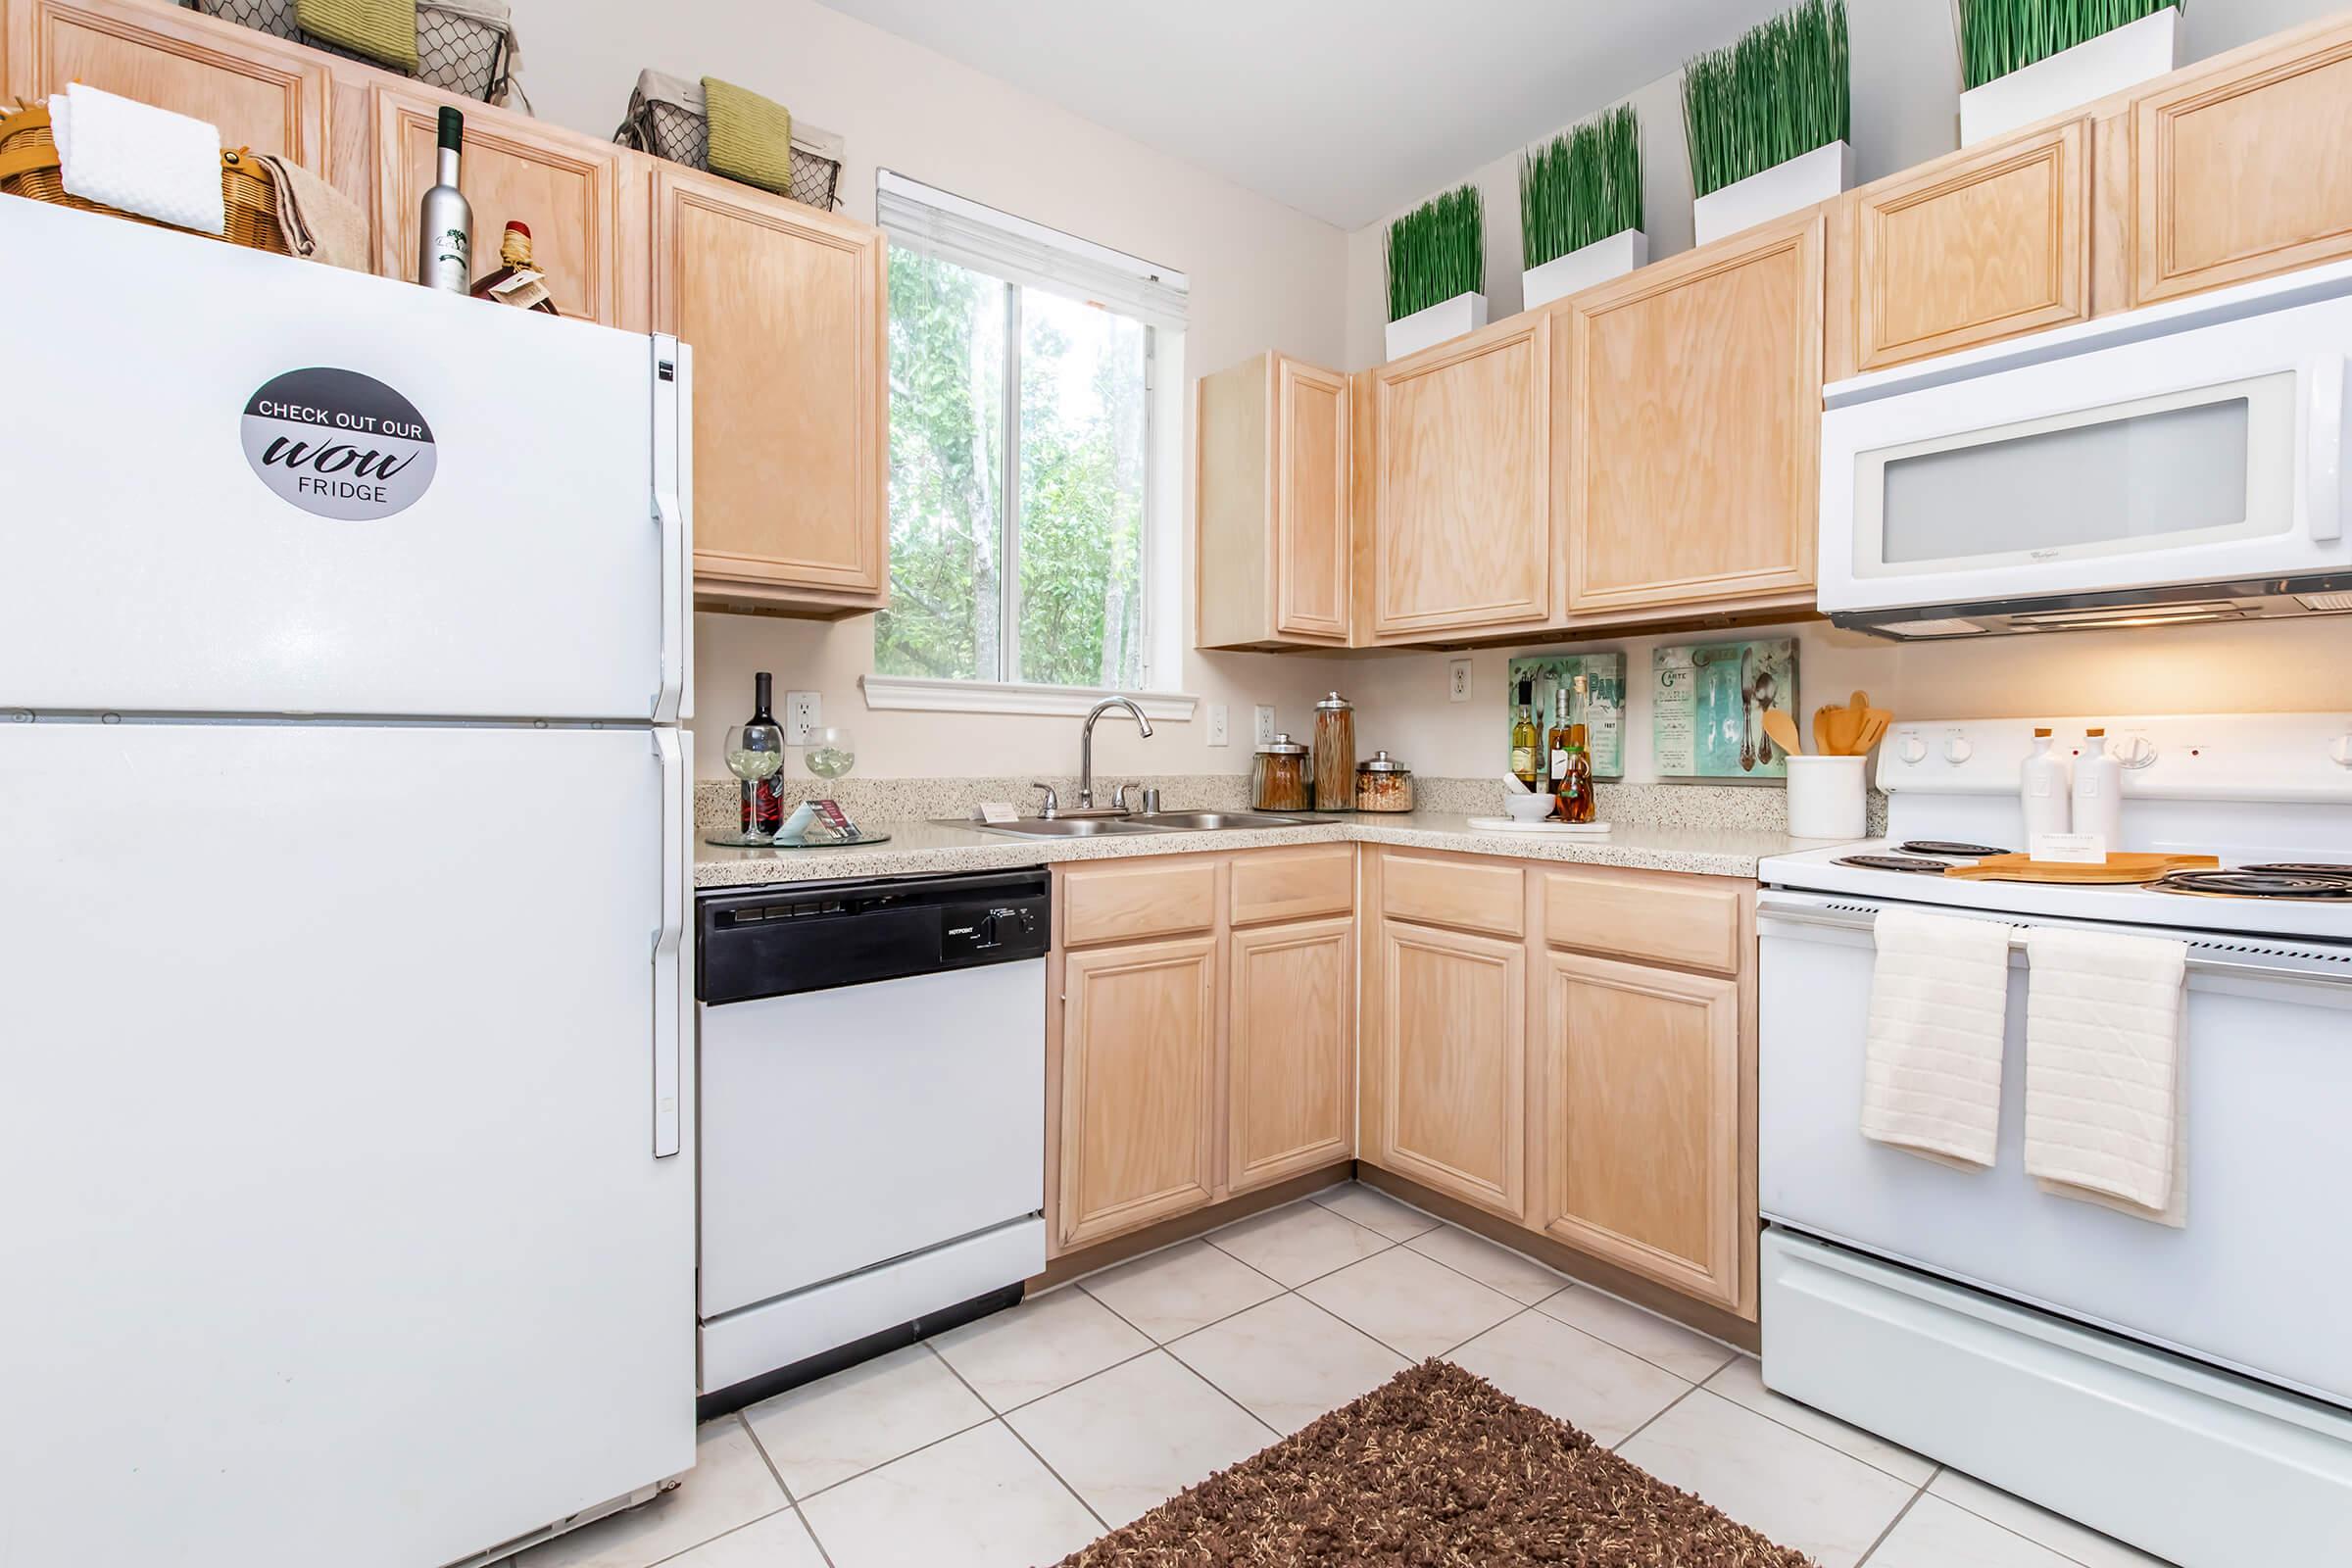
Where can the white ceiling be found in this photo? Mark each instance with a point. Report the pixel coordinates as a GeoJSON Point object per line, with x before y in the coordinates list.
{"type": "Point", "coordinates": [1346, 110]}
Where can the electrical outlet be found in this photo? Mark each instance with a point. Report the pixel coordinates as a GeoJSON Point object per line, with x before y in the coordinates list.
{"type": "Point", "coordinates": [803, 713]}
{"type": "Point", "coordinates": [1457, 675]}
{"type": "Point", "coordinates": [1216, 725]}
{"type": "Point", "coordinates": [1264, 732]}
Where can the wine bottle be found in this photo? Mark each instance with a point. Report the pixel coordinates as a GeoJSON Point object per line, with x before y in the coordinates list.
{"type": "Point", "coordinates": [517, 279]}
{"type": "Point", "coordinates": [764, 801]}
{"type": "Point", "coordinates": [1523, 738]}
{"type": "Point", "coordinates": [444, 223]}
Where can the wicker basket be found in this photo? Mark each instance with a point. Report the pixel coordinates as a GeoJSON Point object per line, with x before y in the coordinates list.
{"type": "Point", "coordinates": [667, 118]}
{"type": "Point", "coordinates": [465, 46]}
{"type": "Point", "coordinates": [28, 167]}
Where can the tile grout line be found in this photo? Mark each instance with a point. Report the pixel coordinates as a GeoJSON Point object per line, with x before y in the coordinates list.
{"type": "Point", "coordinates": [1619, 1446]}
{"type": "Point", "coordinates": [1161, 1346]}
{"type": "Point", "coordinates": [1900, 1514]}
{"type": "Point", "coordinates": [791, 1501]}
{"type": "Point", "coordinates": [1943, 1470]}
{"type": "Point", "coordinates": [1024, 1441]}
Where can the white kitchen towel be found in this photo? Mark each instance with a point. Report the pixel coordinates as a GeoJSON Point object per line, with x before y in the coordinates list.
{"type": "Point", "coordinates": [1932, 1065]}
{"type": "Point", "coordinates": [138, 159]}
{"type": "Point", "coordinates": [2105, 1048]}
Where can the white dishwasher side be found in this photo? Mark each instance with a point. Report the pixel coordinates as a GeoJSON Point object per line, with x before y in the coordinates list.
{"type": "Point", "coordinates": [844, 1128]}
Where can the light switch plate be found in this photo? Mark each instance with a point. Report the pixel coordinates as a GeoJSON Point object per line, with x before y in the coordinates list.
{"type": "Point", "coordinates": [1263, 733]}
{"type": "Point", "coordinates": [1457, 681]}
{"type": "Point", "coordinates": [1216, 725]}
{"type": "Point", "coordinates": [803, 713]}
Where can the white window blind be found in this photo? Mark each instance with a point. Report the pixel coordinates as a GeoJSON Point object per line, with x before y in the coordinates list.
{"type": "Point", "coordinates": [941, 223]}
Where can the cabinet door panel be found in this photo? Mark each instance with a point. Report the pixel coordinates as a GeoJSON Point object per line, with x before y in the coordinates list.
{"type": "Point", "coordinates": [1642, 1121]}
{"type": "Point", "coordinates": [1695, 399]}
{"type": "Point", "coordinates": [1452, 1054]}
{"type": "Point", "coordinates": [2247, 171]}
{"type": "Point", "coordinates": [264, 94]}
{"type": "Point", "coordinates": [1138, 1090]}
{"type": "Point", "coordinates": [1311, 522]}
{"type": "Point", "coordinates": [1291, 1024]}
{"type": "Point", "coordinates": [784, 308]}
{"type": "Point", "coordinates": [1981, 249]}
{"type": "Point", "coordinates": [1463, 440]}
{"type": "Point", "coordinates": [563, 188]}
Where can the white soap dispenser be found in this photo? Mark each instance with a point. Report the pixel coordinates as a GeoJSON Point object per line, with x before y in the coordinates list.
{"type": "Point", "coordinates": [2045, 783]}
{"type": "Point", "coordinates": [2099, 793]}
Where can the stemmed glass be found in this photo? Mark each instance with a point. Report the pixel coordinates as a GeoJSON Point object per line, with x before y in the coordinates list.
{"type": "Point", "coordinates": [755, 754]}
{"type": "Point", "coordinates": [832, 752]}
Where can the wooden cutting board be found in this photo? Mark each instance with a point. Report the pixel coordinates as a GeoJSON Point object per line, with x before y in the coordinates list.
{"type": "Point", "coordinates": [2119, 868]}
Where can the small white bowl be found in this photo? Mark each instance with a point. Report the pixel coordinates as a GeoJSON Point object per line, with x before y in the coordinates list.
{"type": "Point", "coordinates": [1527, 807]}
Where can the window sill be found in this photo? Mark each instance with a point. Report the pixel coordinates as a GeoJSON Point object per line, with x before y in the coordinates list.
{"type": "Point", "coordinates": [911, 693]}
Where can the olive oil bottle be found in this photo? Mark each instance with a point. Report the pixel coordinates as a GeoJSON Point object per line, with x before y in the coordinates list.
{"type": "Point", "coordinates": [1524, 765]}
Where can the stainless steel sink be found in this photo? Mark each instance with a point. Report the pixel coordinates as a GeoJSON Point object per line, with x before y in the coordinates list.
{"type": "Point", "coordinates": [1059, 827]}
{"type": "Point", "coordinates": [1207, 821]}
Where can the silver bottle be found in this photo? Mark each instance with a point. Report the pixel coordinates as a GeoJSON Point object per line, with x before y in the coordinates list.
{"type": "Point", "coordinates": [445, 226]}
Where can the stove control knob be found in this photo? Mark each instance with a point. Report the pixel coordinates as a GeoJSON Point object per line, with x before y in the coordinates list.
{"type": "Point", "coordinates": [1912, 750]}
{"type": "Point", "coordinates": [2341, 750]}
{"type": "Point", "coordinates": [2134, 752]}
{"type": "Point", "coordinates": [1957, 751]}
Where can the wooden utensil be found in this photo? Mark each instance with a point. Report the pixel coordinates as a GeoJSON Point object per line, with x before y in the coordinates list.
{"type": "Point", "coordinates": [1874, 727]}
{"type": "Point", "coordinates": [1783, 730]}
{"type": "Point", "coordinates": [1821, 731]}
{"type": "Point", "coordinates": [1846, 725]}
{"type": "Point", "coordinates": [2119, 868]}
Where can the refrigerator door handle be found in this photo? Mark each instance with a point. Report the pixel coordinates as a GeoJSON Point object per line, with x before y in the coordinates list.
{"type": "Point", "coordinates": [669, 1020]}
{"type": "Point", "coordinates": [669, 516]}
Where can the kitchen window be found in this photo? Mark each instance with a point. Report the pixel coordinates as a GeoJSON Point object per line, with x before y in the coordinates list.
{"type": "Point", "coordinates": [1026, 374]}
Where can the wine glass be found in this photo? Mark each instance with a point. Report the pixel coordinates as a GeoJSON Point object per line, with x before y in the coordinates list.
{"type": "Point", "coordinates": [832, 752]}
{"type": "Point", "coordinates": [755, 754]}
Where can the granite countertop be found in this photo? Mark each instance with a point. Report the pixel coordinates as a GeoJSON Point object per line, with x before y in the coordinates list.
{"type": "Point", "coordinates": [918, 847]}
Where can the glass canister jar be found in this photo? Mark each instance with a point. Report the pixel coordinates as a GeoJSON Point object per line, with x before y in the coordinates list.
{"type": "Point", "coordinates": [1278, 776]}
{"type": "Point", "coordinates": [1335, 753]}
{"type": "Point", "coordinates": [1384, 784]}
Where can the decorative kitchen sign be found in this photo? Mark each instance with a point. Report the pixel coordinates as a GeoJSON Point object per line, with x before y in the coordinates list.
{"type": "Point", "coordinates": [338, 443]}
{"type": "Point", "coordinates": [1604, 699]}
{"type": "Point", "coordinates": [1708, 703]}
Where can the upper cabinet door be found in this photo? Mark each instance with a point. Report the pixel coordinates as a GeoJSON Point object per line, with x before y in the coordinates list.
{"type": "Point", "coordinates": [264, 94]}
{"type": "Point", "coordinates": [1980, 248]}
{"type": "Point", "coordinates": [1693, 412]}
{"type": "Point", "coordinates": [1461, 522]}
{"type": "Point", "coordinates": [1311, 502]}
{"type": "Point", "coordinates": [2241, 171]}
{"type": "Point", "coordinates": [565, 188]}
{"type": "Point", "coordinates": [784, 308]}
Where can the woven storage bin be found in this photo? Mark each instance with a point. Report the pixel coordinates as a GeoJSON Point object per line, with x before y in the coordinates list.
{"type": "Point", "coordinates": [465, 46]}
{"type": "Point", "coordinates": [28, 167]}
{"type": "Point", "coordinates": [667, 118]}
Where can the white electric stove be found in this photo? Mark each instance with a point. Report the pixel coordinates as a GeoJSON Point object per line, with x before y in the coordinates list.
{"type": "Point", "coordinates": [2188, 1391]}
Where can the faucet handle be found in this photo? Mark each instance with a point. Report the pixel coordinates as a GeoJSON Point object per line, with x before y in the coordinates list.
{"type": "Point", "coordinates": [1150, 802]}
{"type": "Point", "coordinates": [1053, 804]}
{"type": "Point", "coordinates": [1118, 797]}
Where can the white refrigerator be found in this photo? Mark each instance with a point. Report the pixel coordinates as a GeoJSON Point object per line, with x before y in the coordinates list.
{"type": "Point", "coordinates": [346, 1174]}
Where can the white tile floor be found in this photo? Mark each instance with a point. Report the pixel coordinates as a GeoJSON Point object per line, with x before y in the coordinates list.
{"type": "Point", "coordinates": [1013, 1441]}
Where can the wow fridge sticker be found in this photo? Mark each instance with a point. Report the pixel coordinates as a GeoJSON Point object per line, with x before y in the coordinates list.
{"type": "Point", "coordinates": [338, 444]}
{"type": "Point", "coordinates": [1708, 703]}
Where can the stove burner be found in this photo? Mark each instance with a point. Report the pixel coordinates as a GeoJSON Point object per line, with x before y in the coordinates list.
{"type": "Point", "coordinates": [1894, 862]}
{"type": "Point", "coordinates": [2331, 869]}
{"type": "Point", "coordinates": [2258, 882]}
{"type": "Point", "coordinates": [1965, 852]}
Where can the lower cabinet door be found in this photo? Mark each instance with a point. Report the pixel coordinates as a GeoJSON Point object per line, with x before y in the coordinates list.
{"type": "Point", "coordinates": [1452, 1056]}
{"type": "Point", "coordinates": [1137, 1086]}
{"type": "Point", "coordinates": [1290, 1032]}
{"type": "Point", "coordinates": [1641, 1122]}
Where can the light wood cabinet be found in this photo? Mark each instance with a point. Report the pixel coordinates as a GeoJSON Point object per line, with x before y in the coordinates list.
{"type": "Point", "coordinates": [1447, 1043]}
{"type": "Point", "coordinates": [784, 307]}
{"type": "Point", "coordinates": [262, 92]}
{"type": "Point", "coordinates": [566, 189]}
{"type": "Point", "coordinates": [1693, 405]}
{"type": "Point", "coordinates": [1460, 526]}
{"type": "Point", "coordinates": [1291, 1050]}
{"type": "Point", "coordinates": [1980, 246]}
{"type": "Point", "coordinates": [1138, 1076]}
{"type": "Point", "coordinates": [1271, 490]}
{"type": "Point", "coordinates": [1641, 1122]}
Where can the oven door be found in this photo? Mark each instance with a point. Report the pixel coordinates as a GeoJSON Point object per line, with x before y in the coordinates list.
{"type": "Point", "coordinates": [2206, 456]}
{"type": "Point", "coordinates": [2256, 1281]}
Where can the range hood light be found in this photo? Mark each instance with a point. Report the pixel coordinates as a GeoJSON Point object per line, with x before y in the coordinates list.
{"type": "Point", "coordinates": [2325, 604]}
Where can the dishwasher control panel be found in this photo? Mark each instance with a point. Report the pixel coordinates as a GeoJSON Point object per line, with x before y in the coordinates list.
{"type": "Point", "coordinates": [780, 941]}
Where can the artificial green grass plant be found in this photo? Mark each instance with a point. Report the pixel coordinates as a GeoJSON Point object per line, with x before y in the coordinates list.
{"type": "Point", "coordinates": [1582, 185]}
{"type": "Point", "coordinates": [1999, 36]}
{"type": "Point", "coordinates": [1780, 90]}
{"type": "Point", "coordinates": [1437, 251]}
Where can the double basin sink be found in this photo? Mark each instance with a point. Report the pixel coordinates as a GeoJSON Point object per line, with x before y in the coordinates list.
{"type": "Point", "coordinates": [1085, 827]}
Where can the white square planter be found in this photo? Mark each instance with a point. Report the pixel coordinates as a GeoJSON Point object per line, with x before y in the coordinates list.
{"type": "Point", "coordinates": [1773, 192]}
{"type": "Point", "coordinates": [1581, 269]}
{"type": "Point", "coordinates": [1448, 319]}
{"type": "Point", "coordinates": [2134, 53]}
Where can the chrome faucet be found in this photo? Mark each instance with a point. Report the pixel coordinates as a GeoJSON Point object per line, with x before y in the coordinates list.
{"type": "Point", "coordinates": [1086, 745]}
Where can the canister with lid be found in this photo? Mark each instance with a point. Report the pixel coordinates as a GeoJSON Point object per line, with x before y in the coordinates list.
{"type": "Point", "coordinates": [1335, 753]}
{"type": "Point", "coordinates": [1278, 776]}
{"type": "Point", "coordinates": [1384, 784]}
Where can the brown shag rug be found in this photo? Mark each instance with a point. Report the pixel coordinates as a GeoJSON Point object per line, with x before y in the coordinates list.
{"type": "Point", "coordinates": [1436, 1469]}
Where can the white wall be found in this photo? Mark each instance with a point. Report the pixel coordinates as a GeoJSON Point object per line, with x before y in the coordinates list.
{"type": "Point", "coordinates": [1262, 277]}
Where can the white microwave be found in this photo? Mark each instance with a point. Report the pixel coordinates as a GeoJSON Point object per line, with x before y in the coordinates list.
{"type": "Point", "coordinates": [2179, 464]}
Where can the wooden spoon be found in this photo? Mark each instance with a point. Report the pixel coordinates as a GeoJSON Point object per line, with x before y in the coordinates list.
{"type": "Point", "coordinates": [1821, 732]}
{"type": "Point", "coordinates": [1783, 730]}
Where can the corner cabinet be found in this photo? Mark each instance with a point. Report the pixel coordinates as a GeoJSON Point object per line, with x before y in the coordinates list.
{"type": "Point", "coordinates": [1272, 491]}
{"type": "Point", "coordinates": [1692, 424]}
{"type": "Point", "coordinates": [786, 309]}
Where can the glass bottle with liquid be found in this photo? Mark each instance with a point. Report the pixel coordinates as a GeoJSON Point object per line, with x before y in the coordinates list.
{"type": "Point", "coordinates": [1574, 798]}
{"type": "Point", "coordinates": [762, 762]}
{"type": "Point", "coordinates": [445, 220]}
{"type": "Point", "coordinates": [1524, 765]}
